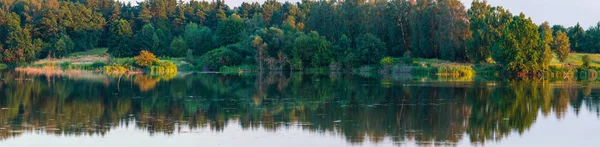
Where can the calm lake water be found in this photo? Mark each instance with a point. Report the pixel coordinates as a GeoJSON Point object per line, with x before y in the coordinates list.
{"type": "Point", "coordinates": [80, 109]}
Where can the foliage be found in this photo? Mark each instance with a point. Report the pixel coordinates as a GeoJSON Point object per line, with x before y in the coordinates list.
{"type": "Point", "coordinates": [313, 49]}
{"type": "Point", "coordinates": [220, 57]}
{"type": "Point", "coordinates": [119, 43]}
{"type": "Point", "coordinates": [178, 47]}
{"type": "Point", "coordinates": [198, 38]}
{"type": "Point", "coordinates": [164, 67]}
{"type": "Point", "coordinates": [147, 39]}
{"type": "Point", "coordinates": [369, 49]}
{"type": "Point", "coordinates": [561, 46]}
{"type": "Point", "coordinates": [487, 24]}
{"type": "Point", "coordinates": [309, 34]}
{"type": "Point", "coordinates": [586, 61]}
{"type": "Point", "coordinates": [519, 48]}
{"type": "Point", "coordinates": [230, 30]}
{"type": "Point", "coordinates": [115, 69]}
{"type": "Point", "coordinates": [63, 46]}
{"type": "Point", "coordinates": [145, 59]}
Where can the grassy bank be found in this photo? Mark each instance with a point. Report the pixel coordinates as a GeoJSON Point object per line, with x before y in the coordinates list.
{"type": "Point", "coordinates": [98, 60]}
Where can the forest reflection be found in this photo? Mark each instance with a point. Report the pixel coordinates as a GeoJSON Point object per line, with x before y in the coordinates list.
{"type": "Point", "coordinates": [358, 108]}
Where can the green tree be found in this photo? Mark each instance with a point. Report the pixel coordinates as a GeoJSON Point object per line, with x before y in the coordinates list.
{"type": "Point", "coordinates": [561, 46]}
{"type": "Point", "coordinates": [63, 46]}
{"type": "Point", "coordinates": [576, 36]}
{"type": "Point", "coordinates": [313, 50]}
{"type": "Point", "coordinates": [369, 49]}
{"type": "Point", "coordinates": [147, 39]}
{"type": "Point", "coordinates": [453, 31]}
{"type": "Point", "coordinates": [119, 42]}
{"type": "Point", "coordinates": [586, 61]}
{"type": "Point", "coordinates": [19, 47]}
{"type": "Point", "coordinates": [546, 39]}
{"type": "Point", "coordinates": [199, 39]}
{"type": "Point", "coordinates": [486, 24]}
{"type": "Point", "coordinates": [230, 30]}
{"type": "Point", "coordinates": [519, 49]}
{"type": "Point", "coordinates": [220, 57]}
{"type": "Point", "coordinates": [178, 47]}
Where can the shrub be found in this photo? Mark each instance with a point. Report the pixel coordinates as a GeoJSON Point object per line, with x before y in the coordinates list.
{"type": "Point", "coordinates": [145, 59]}
{"type": "Point", "coordinates": [455, 70]}
{"type": "Point", "coordinates": [164, 67]}
{"type": "Point", "coordinates": [115, 69]}
{"type": "Point", "coordinates": [586, 61]}
{"type": "Point", "coordinates": [387, 63]}
{"type": "Point", "coordinates": [220, 57]}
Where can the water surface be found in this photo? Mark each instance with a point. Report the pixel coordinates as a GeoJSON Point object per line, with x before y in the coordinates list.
{"type": "Point", "coordinates": [294, 109]}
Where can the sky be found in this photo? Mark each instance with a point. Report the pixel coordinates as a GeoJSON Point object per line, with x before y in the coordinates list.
{"type": "Point", "coordinates": [563, 12]}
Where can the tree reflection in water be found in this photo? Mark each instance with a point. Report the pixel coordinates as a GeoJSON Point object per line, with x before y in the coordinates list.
{"type": "Point", "coordinates": [357, 108]}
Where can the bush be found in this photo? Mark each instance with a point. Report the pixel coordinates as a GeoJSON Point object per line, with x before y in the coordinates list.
{"type": "Point", "coordinates": [115, 69]}
{"type": "Point", "coordinates": [220, 57]}
{"type": "Point", "coordinates": [455, 70]}
{"type": "Point", "coordinates": [145, 59]}
{"type": "Point", "coordinates": [586, 61]}
{"type": "Point", "coordinates": [164, 67]}
{"type": "Point", "coordinates": [387, 61]}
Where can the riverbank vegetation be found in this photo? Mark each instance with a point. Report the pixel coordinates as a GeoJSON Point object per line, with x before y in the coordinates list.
{"type": "Point", "coordinates": [395, 36]}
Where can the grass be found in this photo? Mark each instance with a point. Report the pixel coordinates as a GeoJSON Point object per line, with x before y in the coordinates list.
{"type": "Point", "coordinates": [92, 52]}
{"type": "Point", "coordinates": [576, 59]}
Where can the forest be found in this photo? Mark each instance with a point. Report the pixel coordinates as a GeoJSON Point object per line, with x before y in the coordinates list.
{"type": "Point", "coordinates": [290, 36]}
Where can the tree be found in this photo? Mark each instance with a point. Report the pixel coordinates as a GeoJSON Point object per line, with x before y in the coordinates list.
{"type": "Point", "coordinates": [486, 24]}
{"type": "Point", "coordinates": [261, 53]}
{"type": "Point", "coordinates": [519, 49]}
{"type": "Point", "coordinates": [147, 39]}
{"type": "Point", "coordinates": [19, 47]}
{"type": "Point", "coordinates": [586, 61]}
{"type": "Point", "coordinates": [546, 39]}
{"type": "Point", "coordinates": [230, 30]}
{"type": "Point", "coordinates": [119, 41]}
{"type": "Point", "coordinates": [591, 41]}
{"type": "Point", "coordinates": [369, 49]}
{"type": "Point", "coordinates": [199, 39]}
{"type": "Point", "coordinates": [576, 36]}
{"type": "Point", "coordinates": [220, 57]}
{"type": "Point", "coordinates": [145, 59]}
{"type": "Point", "coordinates": [145, 15]}
{"type": "Point", "coordinates": [453, 34]}
{"type": "Point", "coordinates": [313, 50]}
{"type": "Point", "coordinates": [178, 47]}
{"type": "Point", "coordinates": [63, 46]}
{"type": "Point", "coordinates": [561, 46]}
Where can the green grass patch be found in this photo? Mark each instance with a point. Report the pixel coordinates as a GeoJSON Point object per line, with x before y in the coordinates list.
{"type": "Point", "coordinates": [576, 59]}
{"type": "Point", "coordinates": [92, 52]}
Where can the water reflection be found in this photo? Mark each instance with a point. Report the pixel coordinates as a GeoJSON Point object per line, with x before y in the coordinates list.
{"type": "Point", "coordinates": [423, 110]}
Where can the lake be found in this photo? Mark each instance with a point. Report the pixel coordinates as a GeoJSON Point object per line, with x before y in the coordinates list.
{"type": "Point", "coordinates": [294, 109]}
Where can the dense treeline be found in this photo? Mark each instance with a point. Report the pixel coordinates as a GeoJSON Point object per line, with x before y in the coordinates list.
{"type": "Point", "coordinates": [278, 36]}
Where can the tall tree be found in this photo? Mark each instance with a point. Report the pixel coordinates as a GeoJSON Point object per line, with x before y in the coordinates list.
{"type": "Point", "coordinates": [561, 46]}
{"type": "Point", "coordinates": [576, 36]}
{"type": "Point", "coordinates": [230, 30]}
{"type": "Point", "coordinates": [486, 25]}
{"type": "Point", "coordinates": [453, 34]}
{"type": "Point", "coordinates": [519, 48]}
{"type": "Point", "coordinates": [119, 43]}
{"type": "Point", "coordinates": [147, 39]}
{"type": "Point", "coordinates": [546, 39]}
{"type": "Point", "coordinates": [369, 49]}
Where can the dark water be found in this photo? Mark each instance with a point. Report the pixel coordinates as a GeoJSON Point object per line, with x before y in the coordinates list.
{"type": "Point", "coordinates": [294, 110]}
